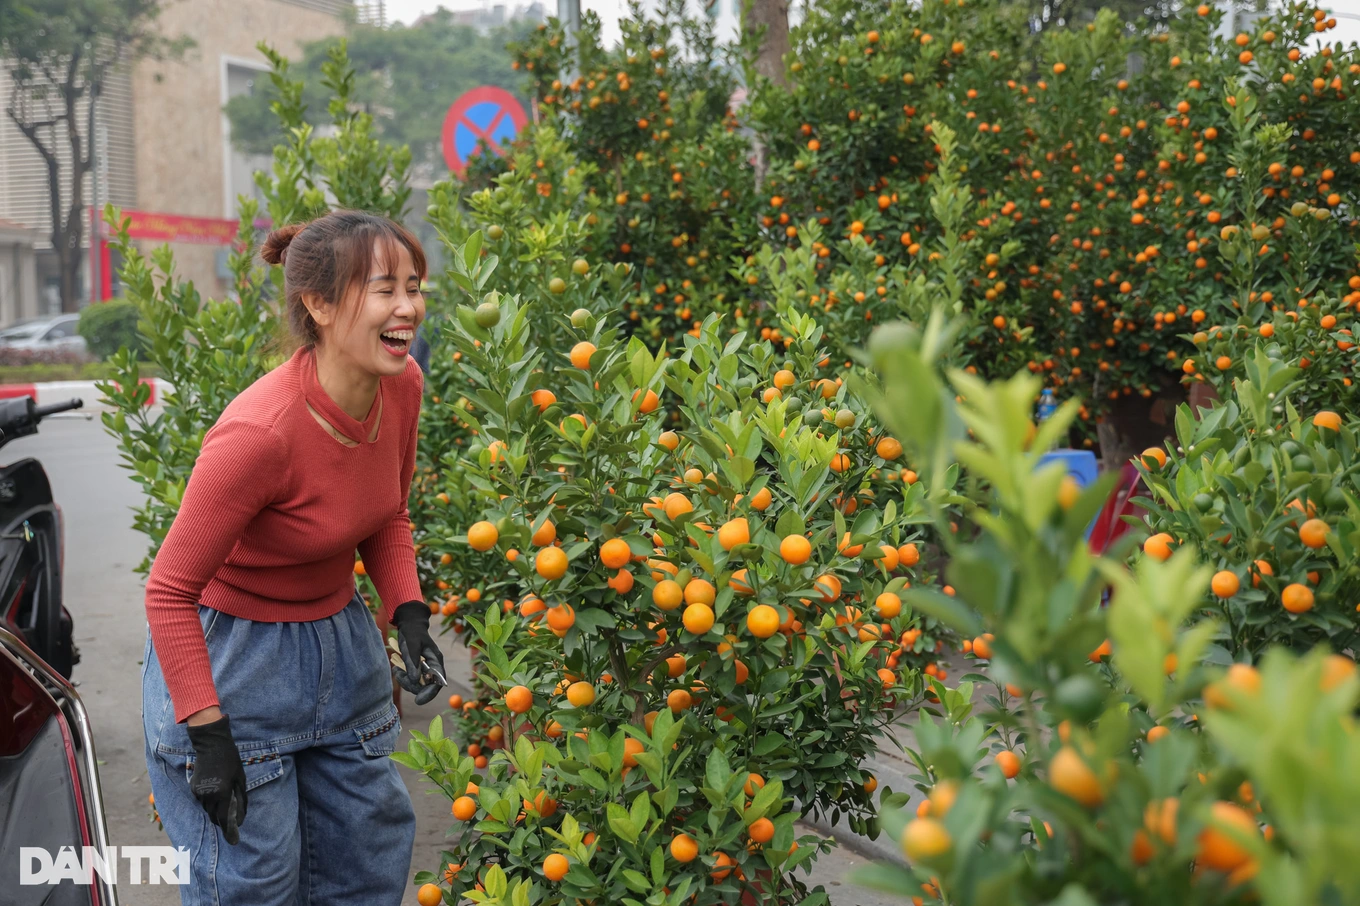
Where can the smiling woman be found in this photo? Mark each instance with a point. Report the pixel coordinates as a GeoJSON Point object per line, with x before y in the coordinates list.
{"type": "Point", "coordinates": [363, 263]}
{"type": "Point", "coordinates": [329, 261]}
{"type": "Point", "coordinates": [255, 581]}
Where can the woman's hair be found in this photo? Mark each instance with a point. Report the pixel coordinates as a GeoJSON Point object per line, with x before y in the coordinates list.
{"type": "Point", "coordinates": [333, 256]}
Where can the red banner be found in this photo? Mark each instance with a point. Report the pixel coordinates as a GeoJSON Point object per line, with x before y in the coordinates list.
{"type": "Point", "coordinates": [177, 228]}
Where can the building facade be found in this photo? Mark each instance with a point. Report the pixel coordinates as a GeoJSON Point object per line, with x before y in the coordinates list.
{"type": "Point", "coordinates": [185, 164]}
{"type": "Point", "coordinates": [18, 272]}
{"type": "Point", "coordinates": [163, 148]}
{"type": "Point", "coordinates": [490, 15]}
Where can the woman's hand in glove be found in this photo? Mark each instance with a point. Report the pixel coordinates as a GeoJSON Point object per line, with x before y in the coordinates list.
{"type": "Point", "coordinates": [219, 780]}
{"type": "Point", "coordinates": [424, 680]}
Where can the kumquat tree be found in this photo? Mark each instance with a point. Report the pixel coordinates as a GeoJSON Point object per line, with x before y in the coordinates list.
{"type": "Point", "coordinates": [1117, 755]}
{"type": "Point", "coordinates": [1105, 164]}
{"type": "Point", "coordinates": [723, 586]}
{"type": "Point", "coordinates": [653, 115]}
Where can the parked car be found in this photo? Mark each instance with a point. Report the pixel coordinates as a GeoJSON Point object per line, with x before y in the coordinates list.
{"type": "Point", "coordinates": [53, 332]}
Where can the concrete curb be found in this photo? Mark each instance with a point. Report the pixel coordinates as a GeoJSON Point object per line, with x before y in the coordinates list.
{"type": "Point", "coordinates": [49, 392]}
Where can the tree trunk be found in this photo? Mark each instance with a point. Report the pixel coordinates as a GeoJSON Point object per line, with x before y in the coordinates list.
{"type": "Point", "coordinates": [771, 17]}
{"type": "Point", "coordinates": [68, 220]}
{"type": "Point", "coordinates": [66, 236]}
{"type": "Point", "coordinates": [68, 269]}
{"type": "Point", "coordinates": [1115, 448]}
{"type": "Point", "coordinates": [66, 273]}
{"type": "Point", "coordinates": [1202, 396]}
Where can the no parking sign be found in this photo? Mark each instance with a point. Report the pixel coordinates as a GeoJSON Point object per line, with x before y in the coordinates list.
{"type": "Point", "coordinates": [487, 112]}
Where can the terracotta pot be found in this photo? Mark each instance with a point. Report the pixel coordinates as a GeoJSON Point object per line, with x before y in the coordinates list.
{"type": "Point", "coordinates": [1202, 396]}
{"type": "Point", "coordinates": [1134, 424]}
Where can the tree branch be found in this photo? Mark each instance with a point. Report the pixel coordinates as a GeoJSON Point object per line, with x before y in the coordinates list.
{"type": "Point", "coordinates": [666, 654]}
{"type": "Point", "coordinates": [30, 131]}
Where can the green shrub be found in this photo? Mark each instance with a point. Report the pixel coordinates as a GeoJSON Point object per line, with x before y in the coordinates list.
{"type": "Point", "coordinates": [87, 371]}
{"type": "Point", "coordinates": [110, 326]}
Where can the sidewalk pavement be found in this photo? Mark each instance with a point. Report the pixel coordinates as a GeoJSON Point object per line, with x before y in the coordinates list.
{"type": "Point", "coordinates": [832, 871]}
{"type": "Point", "coordinates": [48, 392]}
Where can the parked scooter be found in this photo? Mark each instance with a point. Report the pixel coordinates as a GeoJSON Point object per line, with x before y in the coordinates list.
{"type": "Point", "coordinates": [32, 544]}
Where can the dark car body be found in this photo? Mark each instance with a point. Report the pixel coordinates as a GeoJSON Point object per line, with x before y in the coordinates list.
{"type": "Point", "coordinates": [50, 795]}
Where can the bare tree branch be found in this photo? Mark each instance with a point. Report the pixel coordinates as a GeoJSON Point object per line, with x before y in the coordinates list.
{"type": "Point", "coordinates": [30, 130]}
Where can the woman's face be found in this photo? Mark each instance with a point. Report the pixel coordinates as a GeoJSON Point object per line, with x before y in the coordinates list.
{"type": "Point", "coordinates": [378, 336]}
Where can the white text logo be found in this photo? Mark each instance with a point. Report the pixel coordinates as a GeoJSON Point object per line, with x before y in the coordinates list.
{"type": "Point", "coordinates": [164, 865]}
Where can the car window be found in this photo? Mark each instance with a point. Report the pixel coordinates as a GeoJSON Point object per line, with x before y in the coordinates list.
{"type": "Point", "coordinates": [60, 330]}
{"type": "Point", "coordinates": [22, 331]}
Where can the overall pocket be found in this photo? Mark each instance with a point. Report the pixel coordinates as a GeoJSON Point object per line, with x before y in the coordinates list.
{"type": "Point", "coordinates": [379, 736]}
{"type": "Point", "coordinates": [207, 618]}
{"type": "Point", "coordinates": [146, 651]}
{"type": "Point", "coordinates": [260, 766]}
{"type": "Point", "coordinates": [166, 735]}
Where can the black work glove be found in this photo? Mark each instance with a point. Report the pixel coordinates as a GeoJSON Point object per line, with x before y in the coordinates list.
{"type": "Point", "coordinates": [424, 673]}
{"type": "Point", "coordinates": [219, 781]}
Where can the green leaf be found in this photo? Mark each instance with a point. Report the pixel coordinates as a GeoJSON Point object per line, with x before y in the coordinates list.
{"type": "Point", "coordinates": [766, 801]}
{"type": "Point", "coordinates": [404, 759]}
{"type": "Point", "coordinates": [489, 264]}
{"type": "Point", "coordinates": [717, 771]}
{"type": "Point", "coordinates": [641, 813]}
{"type": "Point", "coordinates": [790, 522]}
{"type": "Point", "coordinates": [667, 799]}
{"type": "Point", "coordinates": [727, 369]}
{"type": "Point", "coordinates": [472, 249]}
{"type": "Point", "coordinates": [950, 611]}
{"type": "Point", "coordinates": [593, 620]}
{"type": "Point", "coordinates": [658, 867]}
{"type": "Point", "coordinates": [620, 823]}
{"type": "Point", "coordinates": [768, 743]}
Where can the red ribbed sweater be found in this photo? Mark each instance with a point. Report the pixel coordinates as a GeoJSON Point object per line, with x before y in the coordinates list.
{"type": "Point", "coordinates": [273, 512]}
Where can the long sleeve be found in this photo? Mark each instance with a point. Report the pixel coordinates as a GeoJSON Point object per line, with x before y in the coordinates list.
{"type": "Point", "coordinates": [389, 554]}
{"type": "Point", "coordinates": [237, 474]}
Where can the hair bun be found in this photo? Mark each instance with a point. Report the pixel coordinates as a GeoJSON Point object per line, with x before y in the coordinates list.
{"type": "Point", "coordinates": [275, 246]}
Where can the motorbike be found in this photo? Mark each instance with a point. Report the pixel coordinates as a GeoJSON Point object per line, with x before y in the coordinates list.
{"type": "Point", "coordinates": [32, 544]}
{"type": "Point", "coordinates": [50, 795]}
